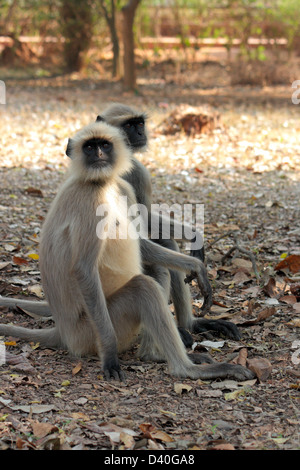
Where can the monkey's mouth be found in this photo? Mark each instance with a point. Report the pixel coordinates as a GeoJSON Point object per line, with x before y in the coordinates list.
{"type": "Point", "coordinates": [138, 143]}
{"type": "Point", "coordinates": [100, 162]}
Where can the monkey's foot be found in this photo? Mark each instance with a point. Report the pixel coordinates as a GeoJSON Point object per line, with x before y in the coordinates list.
{"type": "Point", "coordinates": [224, 370]}
{"type": "Point", "coordinates": [201, 358]}
{"type": "Point", "coordinates": [217, 370]}
{"type": "Point", "coordinates": [111, 369]}
{"type": "Point", "coordinates": [226, 328]}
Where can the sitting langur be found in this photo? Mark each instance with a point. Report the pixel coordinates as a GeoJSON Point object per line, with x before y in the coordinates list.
{"type": "Point", "coordinates": [94, 283]}
{"type": "Point", "coordinates": [133, 125]}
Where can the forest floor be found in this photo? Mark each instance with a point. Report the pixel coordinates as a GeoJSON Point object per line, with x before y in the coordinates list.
{"type": "Point", "coordinates": [247, 174]}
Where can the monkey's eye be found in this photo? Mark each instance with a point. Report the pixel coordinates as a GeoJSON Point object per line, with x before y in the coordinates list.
{"type": "Point", "coordinates": [106, 146]}
{"type": "Point", "coordinates": [141, 124]}
{"type": "Point", "coordinates": [89, 148]}
{"type": "Point", "coordinates": [128, 125]}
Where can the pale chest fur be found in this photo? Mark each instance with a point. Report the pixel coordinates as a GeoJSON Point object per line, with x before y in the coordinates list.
{"type": "Point", "coordinates": [120, 258]}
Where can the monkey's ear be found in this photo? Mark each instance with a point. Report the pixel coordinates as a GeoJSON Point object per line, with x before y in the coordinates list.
{"type": "Point", "coordinates": [100, 118]}
{"type": "Point", "coordinates": [69, 148]}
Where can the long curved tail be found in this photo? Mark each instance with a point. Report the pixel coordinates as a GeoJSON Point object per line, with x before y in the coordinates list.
{"type": "Point", "coordinates": [48, 337]}
{"type": "Point", "coordinates": [40, 308]}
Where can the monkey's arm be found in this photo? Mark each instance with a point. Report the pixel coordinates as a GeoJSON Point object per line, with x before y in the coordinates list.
{"type": "Point", "coordinates": [85, 270]}
{"type": "Point", "coordinates": [162, 227]}
{"type": "Point", "coordinates": [152, 253]}
{"type": "Point", "coordinates": [92, 292]}
{"type": "Point", "coordinates": [140, 179]}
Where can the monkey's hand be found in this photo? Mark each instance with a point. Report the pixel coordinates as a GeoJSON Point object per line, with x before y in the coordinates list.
{"type": "Point", "coordinates": [226, 328]}
{"type": "Point", "coordinates": [190, 277]}
{"type": "Point", "coordinates": [204, 286]}
{"type": "Point", "coordinates": [111, 369]}
{"type": "Point", "coordinates": [186, 337]}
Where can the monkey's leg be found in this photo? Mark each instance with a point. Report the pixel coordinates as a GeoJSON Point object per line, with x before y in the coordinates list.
{"type": "Point", "coordinates": [48, 337]}
{"type": "Point", "coordinates": [167, 254]}
{"type": "Point", "coordinates": [40, 308]}
{"type": "Point", "coordinates": [180, 290]}
{"type": "Point", "coordinates": [141, 303]}
{"type": "Point", "coordinates": [176, 231]}
{"type": "Point", "coordinates": [163, 277]}
{"type": "Point", "coordinates": [180, 293]}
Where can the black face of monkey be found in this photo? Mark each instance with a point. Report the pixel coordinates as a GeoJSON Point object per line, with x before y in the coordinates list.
{"type": "Point", "coordinates": [98, 152]}
{"type": "Point", "coordinates": [135, 131]}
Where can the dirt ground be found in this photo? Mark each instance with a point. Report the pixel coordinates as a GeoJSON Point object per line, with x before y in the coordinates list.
{"type": "Point", "coordinates": [247, 174]}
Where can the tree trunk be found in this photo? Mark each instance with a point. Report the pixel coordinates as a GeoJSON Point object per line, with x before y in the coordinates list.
{"type": "Point", "coordinates": [128, 12]}
{"type": "Point", "coordinates": [77, 28]}
{"type": "Point", "coordinates": [110, 18]}
{"type": "Point", "coordinates": [116, 54]}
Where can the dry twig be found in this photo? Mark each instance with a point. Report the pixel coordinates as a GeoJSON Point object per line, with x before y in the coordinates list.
{"type": "Point", "coordinates": [240, 249]}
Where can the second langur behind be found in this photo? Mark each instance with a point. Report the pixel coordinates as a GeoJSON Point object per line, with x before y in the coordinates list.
{"type": "Point", "coordinates": [133, 124]}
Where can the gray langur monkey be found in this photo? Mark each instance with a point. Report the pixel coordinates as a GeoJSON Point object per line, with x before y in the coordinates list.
{"type": "Point", "coordinates": [98, 295]}
{"type": "Point", "coordinates": [132, 122]}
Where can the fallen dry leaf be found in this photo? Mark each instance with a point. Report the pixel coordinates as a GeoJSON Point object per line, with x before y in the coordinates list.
{"type": "Point", "coordinates": [34, 192]}
{"type": "Point", "coordinates": [224, 446]}
{"type": "Point", "coordinates": [235, 394]}
{"type": "Point", "coordinates": [20, 362]}
{"type": "Point", "coordinates": [261, 316]}
{"type": "Point", "coordinates": [37, 290]}
{"type": "Point", "coordinates": [127, 439]}
{"type": "Point", "coordinates": [161, 436]}
{"type": "Point", "coordinates": [80, 415]}
{"type": "Point", "coordinates": [10, 248]}
{"type": "Point", "coordinates": [34, 408]}
{"type": "Point", "coordinates": [182, 388]}
{"type": "Point", "coordinates": [270, 288]}
{"type": "Point", "coordinates": [288, 299]}
{"type": "Point", "coordinates": [297, 307]}
{"type": "Point", "coordinates": [151, 432]}
{"type": "Point", "coordinates": [42, 429]}
{"type": "Point", "coordinates": [291, 262]}
{"type": "Point", "coordinates": [243, 263]}
{"type": "Point", "coordinates": [295, 321]}
{"type": "Point", "coordinates": [240, 277]}
{"type": "Point", "coordinates": [261, 366]}
{"type": "Point", "coordinates": [295, 290]}
{"type": "Point", "coordinates": [33, 256]}
{"type": "Point", "coordinates": [266, 313]}
{"type": "Point", "coordinates": [4, 264]}
{"type": "Point", "coordinates": [112, 431]}
{"type": "Point", "coordinates": [242, 357]}
{"type": "Point", "coordinates": [18, 260]}
{"type": "Point", "coordinates": [77, 368]}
